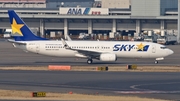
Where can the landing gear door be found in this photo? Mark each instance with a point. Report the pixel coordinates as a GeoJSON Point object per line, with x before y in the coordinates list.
{"type": "Point", "coordinates": [37, 47]}
{"type": "Point", "coordinates": [153, 48]}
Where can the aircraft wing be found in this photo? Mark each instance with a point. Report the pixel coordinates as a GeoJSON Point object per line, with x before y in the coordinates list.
{"type": "Point", "coordinates": [92, 54]}
{"type": "Point", "coordinates": [16, 42]}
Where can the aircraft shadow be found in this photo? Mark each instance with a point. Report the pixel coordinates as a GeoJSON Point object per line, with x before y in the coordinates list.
{"type": "Point", "coordinates": [79, 63]}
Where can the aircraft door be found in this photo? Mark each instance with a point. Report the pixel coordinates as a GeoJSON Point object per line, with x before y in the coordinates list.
{"type": "Point", "coordinates": [37, 47]}
{"type": "Point", "coordinates": [153, 48]}
{"type": "Point", "coordinates": [102, 48]}
{"type": "Point", "coordinates": [98, 48]}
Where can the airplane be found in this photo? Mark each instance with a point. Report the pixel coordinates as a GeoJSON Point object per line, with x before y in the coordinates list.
{"type": "Point", "coordinates": [107, 51]}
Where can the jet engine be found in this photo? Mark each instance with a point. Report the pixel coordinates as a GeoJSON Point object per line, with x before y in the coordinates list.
{"type": "Point", "coordinates": [108, 57]}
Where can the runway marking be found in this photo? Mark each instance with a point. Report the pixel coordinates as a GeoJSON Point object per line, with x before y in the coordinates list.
{"type": "Point", "coordinates": [136, 86]}
{"type": "Point", "coordinates": [147, 92]}
{"type": "Point", "coordinates": [53, 85]}
{"type": "Point", "coordinates": [137, 90]}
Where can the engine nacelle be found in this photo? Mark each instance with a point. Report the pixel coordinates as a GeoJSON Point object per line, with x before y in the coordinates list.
{"type": "Point", "coordinates": [108, 57]}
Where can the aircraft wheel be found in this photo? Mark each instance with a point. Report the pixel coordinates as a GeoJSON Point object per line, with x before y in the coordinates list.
{"type": "Point", "coordinates": [89, 61]}
{"type": "Point", "coordinates": [156, 62]}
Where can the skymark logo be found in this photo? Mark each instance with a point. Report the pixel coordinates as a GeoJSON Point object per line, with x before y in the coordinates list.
{"type": "Point", "coordinates": [126, 47]}
{"type": "Point", "coordinates": [142, 47]}
{"type": "Point", "coordinates": [122, 47]}
{"type": "Point", "coordinates": [16, 28]}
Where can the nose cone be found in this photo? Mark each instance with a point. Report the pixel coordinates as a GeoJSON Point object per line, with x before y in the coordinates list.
{"type": "Point", "coordinates": [170, 52]}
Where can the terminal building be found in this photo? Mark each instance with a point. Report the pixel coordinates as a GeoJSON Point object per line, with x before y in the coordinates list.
{"type": "Point", "coordinates": [94, 17]}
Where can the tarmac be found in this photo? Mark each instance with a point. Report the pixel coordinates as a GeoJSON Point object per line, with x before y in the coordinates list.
{"type": "Point", "coordinates": [163, 85]}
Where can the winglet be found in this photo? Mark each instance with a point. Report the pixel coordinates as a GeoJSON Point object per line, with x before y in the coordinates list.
{"type": "Point", "coordinates": [68, 38]}
{"type": "Point", "coordinates": [65, 44]}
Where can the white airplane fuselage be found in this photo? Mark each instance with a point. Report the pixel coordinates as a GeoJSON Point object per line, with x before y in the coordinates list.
{"type": "Point", "coordinates": [122, 49]}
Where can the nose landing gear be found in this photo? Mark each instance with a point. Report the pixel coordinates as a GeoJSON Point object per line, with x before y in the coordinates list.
{"type": "Point", "coordinates": [156, 62]}
{"type": "Point", "coordinates": [157, 59]}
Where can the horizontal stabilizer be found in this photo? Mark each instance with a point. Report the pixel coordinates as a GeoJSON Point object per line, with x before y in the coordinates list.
{"type": "Point", "coordinates": [16, 42]}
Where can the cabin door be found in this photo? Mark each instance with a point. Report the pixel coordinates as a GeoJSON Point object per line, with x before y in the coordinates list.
{"type": "Point", "coordinates": [153, 48]}
{"type": "Point", "coordinates": [37, 47]}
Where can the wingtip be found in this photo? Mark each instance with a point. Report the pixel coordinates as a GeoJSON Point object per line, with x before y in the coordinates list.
{"type": "Point", "coordinates": [62, 39]}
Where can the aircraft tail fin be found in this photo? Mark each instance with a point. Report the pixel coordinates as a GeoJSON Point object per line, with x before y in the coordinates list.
{"type": "Point", "coordinates": [20, 31]}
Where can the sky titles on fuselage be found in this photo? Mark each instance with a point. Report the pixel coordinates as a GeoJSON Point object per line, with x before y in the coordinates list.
{"type": "Point", "coordinates": [129, 47]}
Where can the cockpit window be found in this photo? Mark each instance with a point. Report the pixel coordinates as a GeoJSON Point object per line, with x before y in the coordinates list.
{"type": "Point", "coordinates": [163, 47]}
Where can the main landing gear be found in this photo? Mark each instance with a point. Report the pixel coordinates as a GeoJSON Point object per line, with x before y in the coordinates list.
{"type": "Point", "coordinates": [89, 61]}
{"type": "Point", "coordinates": [156, 62]}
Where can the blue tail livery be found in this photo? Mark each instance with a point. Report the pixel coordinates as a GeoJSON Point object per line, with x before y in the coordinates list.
{"type": "Point", "coordinates": [20, 31]}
